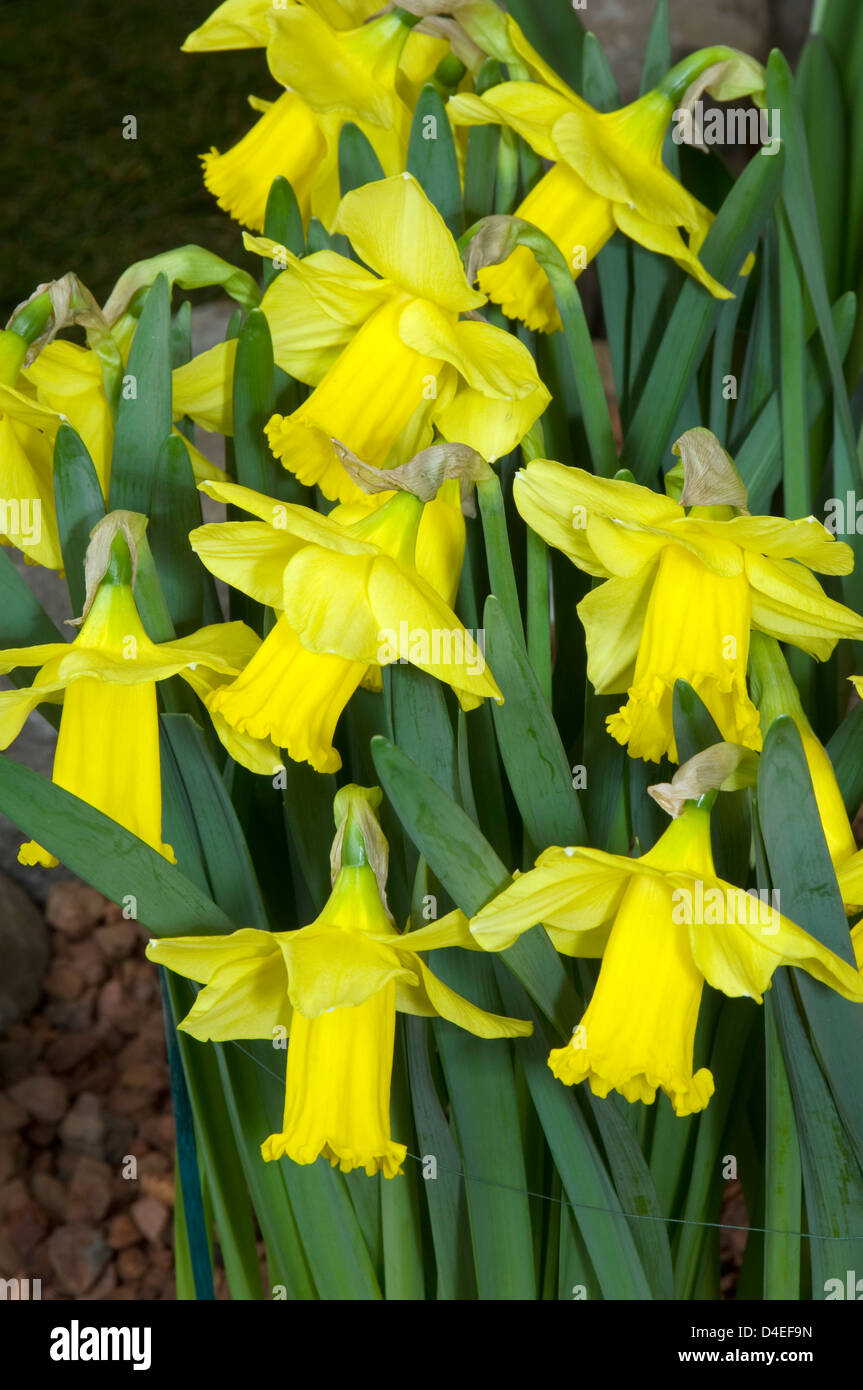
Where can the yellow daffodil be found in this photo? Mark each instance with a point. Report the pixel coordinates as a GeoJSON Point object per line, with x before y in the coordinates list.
{"type": "Point", "coordinates": [682, 593]}
{"type": "Point", "coordinates": [108, 747]}
{"type": "Point", "coordinates": [387, 353]}
{"type": "Point", "coordinates": [334, 987]}
{"type": "Point", "coordinates": [664, 925]}
{"type": "Point", "coordinates": [64, 383]}
{"type": "Point", "coordinates": [607, 175]}
{"type": "Point", "coordinates": [350, 600]}
{"type": "Point", "coordinates": [335, 68]}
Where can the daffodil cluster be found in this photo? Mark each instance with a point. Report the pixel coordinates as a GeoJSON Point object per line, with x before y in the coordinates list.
{"type": "Point", "coordinates": [396, 383]}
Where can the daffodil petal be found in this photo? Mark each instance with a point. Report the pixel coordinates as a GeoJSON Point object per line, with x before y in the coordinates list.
{"type": "Point", "coordinates": [233, 24]}
{"type": "Point", "coordinates": [613, 617]}
{"type": "Point", "coordinates": [666, 241]}
{"type": "Point", "coordinates": [417, 624]}
{"type": "Point", "coordinates": [292, 696]}
{"type": "Point", "coordinates": [336, 968]}
{"type": "Point", "coordinates": [788, 603]}
{"type": "Point", "coordinates": [351, 71]}
{"type": "Point", "coordinates": [528, 108]}
{"type": "Point", "coordinates": [490, 361]}
{"type": "Point", "coordinates": [615, 170]}
{"type": "Point", "coordinates": [441, 541]}
{"type": "Point", "coordinates": [203, 388]}
{"type": "Point", "coordinates": [460, 1011]}
{"type": "Point", "coordinates": [16, 706]}
{"type": "Point", "coordinates": [314, 307]}
{"type": "Point", "coordinates": [805, 540]}
{"type": "Point", "coordinates": [347, 628]}
{"type": "Point", "coordinates": [249, 555]}
{"type": "Point", "coordinates": [365, 401]}
{"type": "Point", "coordinates": [572, 894]}
{"type": "Point", "coordinates": [399, 233]}
{"type": "Point", "coordinates": [200, 957]}
{"type": "Point", "coordinates": [740, 955]}
{"type": "Point", "coordinates": [285, 141]}
{"type": "Point", "coordinates": [491, 425]}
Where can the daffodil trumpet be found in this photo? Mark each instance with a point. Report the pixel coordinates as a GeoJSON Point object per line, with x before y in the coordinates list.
{"type": "Point", "coordinates": [607, 175]}
{"type": "Point", "coordinates": [681, 592]}
{"type": "Point", "coordinates": [108, 746]}
{"type": "Point", "coordinates": [332, 989]}
{"type": "Point", "coordinates": [663, 925]}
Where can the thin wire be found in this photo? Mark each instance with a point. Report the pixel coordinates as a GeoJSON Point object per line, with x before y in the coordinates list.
{"type": "Point", "coordinates": [586, 1206]}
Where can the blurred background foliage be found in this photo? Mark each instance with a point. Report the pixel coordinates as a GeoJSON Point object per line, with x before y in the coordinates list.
{"type": "Point", "coordinates": [76, 194]}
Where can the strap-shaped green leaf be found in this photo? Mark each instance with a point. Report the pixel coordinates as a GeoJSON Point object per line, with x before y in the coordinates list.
{"type": "Point", "coordinates": [530, 745]}
{"type": "Point", "coordinates": [283, 223]}
{"type": "Point", "coordinates": [144, 410]}
{"type": "Point", "coordinates": [79, 502]}
{"type": "Point", "coordinates": [188, 589]}
{"type": "Point", "coordinates": [445, 1193]}
{"type": "Point", "coordinates": [106, 855]}
{"type": "Point", "coordinates": [730, 239]}
{"type": "Point", "coordinates": [358, 163]}
{"type": "Point", "coordinates": [432, 158]}
{"type": "Point", "coordinates": [224, 852]}
{"type": "Point", "coordinates": [598, 1212]}
{"type": "Point", "coordinates": [801, 869]}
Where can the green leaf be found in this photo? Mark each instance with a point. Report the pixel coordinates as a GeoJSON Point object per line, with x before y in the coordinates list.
{"type": "Point", "coordinates": [283, 223]}
{"type": "Point", "coordinates": [730, 239]}
{"type": "Point", "coordinates": [192, 1221]}
{"type": "Point", "coordinates": [445, 1194]}
{"type": "Point", "coordinates": [432, 158]}
{"type": "Point", "coordinates": [79, 502]}
{"type": "Point", "coordinates": [799, 201]}
{"type": "Point", "coordinates": [481, 1088]}
{"type": "Point", "coordinates": [657, 54]}
{"type": "Point", "coordinates": [401, 1223]}
{"type": "Point", "coordinates": [832, 1181]}
{"type": "Point", "coordinates": [358, 163]}
{"type": "Point", "coordinates": [530, 745]}
{"type": "Point", "coordinates": [144, 414]}
{"type": "Point", "coordinates": [469, 869]}
{"type": "Point", "coordinates": [224, 852]}
{"type": "Point", "coordinates": [176, 510]}
{"type": "Point", "coordinates": [783, 1177]}
{"type": "Point", "coordinates": [308, 810]}
{"type": "Point", "coordinates": [759, 454]}
{"type": "Point", "coordinates": [254, 403]}
{"type": "Point", "coordinates": [217, 1149]}
{"type": "Point", "coordinates": [480, 171]}
{"type": "Point", "coordinates": [801, 869]}
{"type": "Point", "coordinates": [820, 90]}
{"type": "Point", "coordinates": [106, 855]}
{"type": "Point", "coordinates": [597, 1210]}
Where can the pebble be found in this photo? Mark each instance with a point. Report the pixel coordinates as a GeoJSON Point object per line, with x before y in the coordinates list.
{"type": "Point", "coordinates": [78, 1253]}
{"type": "Point", "coordinates": [43, 1097]}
